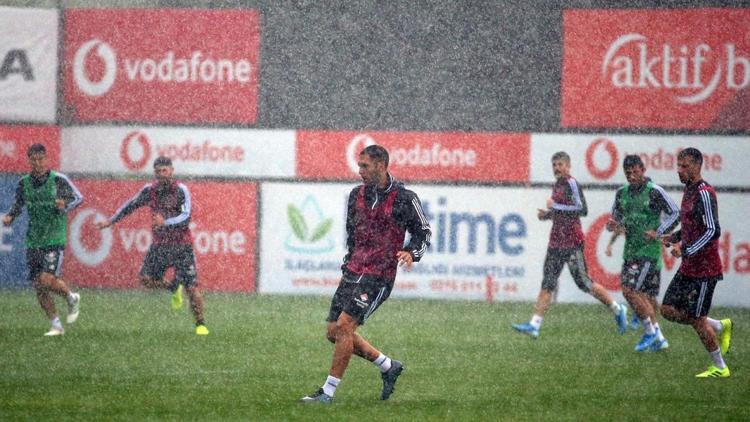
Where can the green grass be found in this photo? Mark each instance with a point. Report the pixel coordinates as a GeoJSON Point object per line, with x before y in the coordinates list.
{"type": "Point", "coordinates": [130, 358]}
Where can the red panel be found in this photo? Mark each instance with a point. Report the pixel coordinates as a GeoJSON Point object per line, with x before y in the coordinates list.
{"type": "Point", "coordinates": [223, 227]}
{"type": "Point", "coordinates": [681, 69]}
{"type": "Point", "coordinates": [15, 140]}
{"type": "Point", "coordinates": [162, 65]}
{"type": "Point", "coordinates": [433, 156]}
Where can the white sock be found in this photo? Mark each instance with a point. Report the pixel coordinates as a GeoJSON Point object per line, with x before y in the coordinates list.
{"type": "Point", "coordinates": [648, 326]}
{"type": "Point", "coordinates": [615, 307]}
{"type": "Point", "coordinates": [718, 360]}
{"type": "Point", "coordinates": [71, 298]}
{"type": "Point", "coordinates": [383, 362]}
{"type": "Point", "coordinates": [659, 334]}
{"type": "Point", "coordinates": [715, 324]}
{"type": "Point", "coordinates": [536, 321]}
{"type": "Point", "coordinates": [56, 322]}
{"type": "Point", "coordinates": [330, 385]}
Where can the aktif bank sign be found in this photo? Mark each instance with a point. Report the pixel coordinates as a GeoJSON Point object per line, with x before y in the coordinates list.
{"type": "Point", "coordinates": [692, 71]}
{"type": "Point", "coordinates": [655, 68]}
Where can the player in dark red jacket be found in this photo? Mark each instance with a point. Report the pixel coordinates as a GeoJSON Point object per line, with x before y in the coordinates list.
{"type": "Point", "coordinates": [172, 246]}
{"type": "Point", "coordinates": [689, 295]}
{"type": "Point", "coordinates": [565, 208]}
{"type": "Point", "coordinates": [379, 214]}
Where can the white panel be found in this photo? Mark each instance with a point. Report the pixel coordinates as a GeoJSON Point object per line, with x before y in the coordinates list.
{"type": "Point", "coordinates": [598, 158]}
{"type": "Point", "coordinates": [197, 152]}
{"type": "Point", "coordinates": [457, 266]}
{"type": "Point", "coordinates": [28, 64]}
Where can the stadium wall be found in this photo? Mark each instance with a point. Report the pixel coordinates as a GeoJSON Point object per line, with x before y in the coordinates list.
{"type": "Point", "coordinates": [471, 100]}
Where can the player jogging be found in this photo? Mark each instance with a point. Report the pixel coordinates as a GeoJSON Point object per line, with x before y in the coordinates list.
{"type": "Point", "coordinates": [379, 213]}
{"type": "Point", "coordinates": [689, 295]}
{"type": "Point", "coordinates": [172, 246]}
{"type": "Point", "coordinates": [48, 196]}
{"type": "Point", "coordinates": [637, 212]}
{"type": "Point", "coordinates": [565, 208]}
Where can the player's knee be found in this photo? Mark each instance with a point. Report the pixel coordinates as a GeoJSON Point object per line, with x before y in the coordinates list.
{"type": "Point", "coordinates": [43, 281]}
{"type": "Point", "coordinates": [331, 336]}
{"type": "Point", "coordinates": [669, 313]}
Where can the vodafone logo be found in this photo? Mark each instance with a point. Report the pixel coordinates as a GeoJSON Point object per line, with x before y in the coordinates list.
{"type": "Point", "coordinates": [597, 271]}
{"type": "Point", "coordinates": [135, 150]}
{"type": "Point", "coordinates": [356, 145]}
{"type": "Point", "coordinates": [693, 71]}
{"type": "Point", "coordinates": [82, 231]}
{"type": "Point", "coordinates": [106, 55]}
{"type": "Point", "coordinates": [602, 158]}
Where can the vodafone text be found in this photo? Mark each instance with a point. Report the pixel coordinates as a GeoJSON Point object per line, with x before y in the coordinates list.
{"type": "Point", "coordinates": [206, 151]}
{"type": "Point", "coordinates": [436, 155]}
{"type": "Point", "coordinates": [194, 69]}
{"type": "Point", "coordinates": [205, 242]}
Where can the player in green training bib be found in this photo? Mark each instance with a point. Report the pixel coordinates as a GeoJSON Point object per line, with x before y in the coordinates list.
{"type": "Point", "coordinates": [48, 197]}
{"type": "Point", "coordinates": [637, 213]}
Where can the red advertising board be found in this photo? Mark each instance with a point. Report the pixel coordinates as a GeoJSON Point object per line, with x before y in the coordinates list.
{"type": "Point", "coordinates": [223, 227]}
{"type": "Point", "coordinates": [15, 140]}
{"type": "Point", "coordinates": [433, 156]}
{"type": "Point", "coordinates": [658, 68]}
{"type": "Point", "coordinates": [162, 65]}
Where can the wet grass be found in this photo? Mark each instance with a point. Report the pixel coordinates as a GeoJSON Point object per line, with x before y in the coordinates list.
{"type": "Point", "coordinates": [130, 358]}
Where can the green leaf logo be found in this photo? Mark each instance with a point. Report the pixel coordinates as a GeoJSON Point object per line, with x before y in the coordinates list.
{"type": "Point", "coordinates": [322, 229]}
{"type": "Point", "coordinates": [297, 221]}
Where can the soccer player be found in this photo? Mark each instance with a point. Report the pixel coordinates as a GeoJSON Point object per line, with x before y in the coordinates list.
{"type": "Point", "coordinates": [379, 213]}
{"type": "Point", "coordinates": [48, 196]}
{"type": "Point", "coordinates": [689, 295]}
{"type": "Point", "coordinates": [637, 212]}
{"type": "Point", "coordinates": [171, 210]}
{"type": "Point", "coordinates": [565, 208]}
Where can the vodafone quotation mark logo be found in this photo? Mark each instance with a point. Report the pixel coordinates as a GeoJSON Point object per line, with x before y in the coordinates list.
{"type": "Point", "coordinates": [78, 226]}
{"type": "Point", "coordinates": [106, 55]}
{"type": "Point", "coordinates": [356, 145]}
{"type": "Point", "coordinates": [602, 147]}
{"type": "Point", "coordinates": [135, 150]}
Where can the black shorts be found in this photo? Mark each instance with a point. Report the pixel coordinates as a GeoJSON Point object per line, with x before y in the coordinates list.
{"type": "Point", "coordinates": [641, 275]}
{"type": "Point", "coordinates": [44, 260]}
{"type": "Point", "coordinates": [691, 295]}
{"type": "Point", "coordinates": [160, 257]}
{"type": "Point", "coordinates": [554, 262]}
{"type": "Point", "coordinates": [359, 295]}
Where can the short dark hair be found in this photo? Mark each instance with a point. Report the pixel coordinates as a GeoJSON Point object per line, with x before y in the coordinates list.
{"type": "Point", "coordinates": [36, 149]}
{"type": "Point", "coordinates": [693, 153]}
{"type": "Point", "coordinates": [561, 156]}
{"type": "Point", "coordinates": [632, 160]}
{"type": "Point", "coordinates": [377, 153]}
{"type": "Point", "coordinates": [162, 161]}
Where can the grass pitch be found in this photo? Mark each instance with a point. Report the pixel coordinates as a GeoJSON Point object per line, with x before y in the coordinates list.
{"type": "Point", "coordinates": [129, 357]}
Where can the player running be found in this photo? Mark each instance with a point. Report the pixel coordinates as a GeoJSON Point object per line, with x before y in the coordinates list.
{"type": "Point", "coordinates": [565, 208]}
{"type": "Point", "coordinates": [48, 196]}
{"type": "Point", "coordinates": [172, 246]}
{"type": "Point", "coordinates": [637, 212]}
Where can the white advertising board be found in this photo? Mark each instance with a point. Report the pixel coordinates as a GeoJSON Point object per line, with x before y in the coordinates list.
{"type": "Point", "coordinates": [598, 158]}
{"type": "Point", "coordinates": [198, 152]}
{"type": "Point", "coordinates": [482, 237]}
{"type": "Point", "coordinates": [28, 64]}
